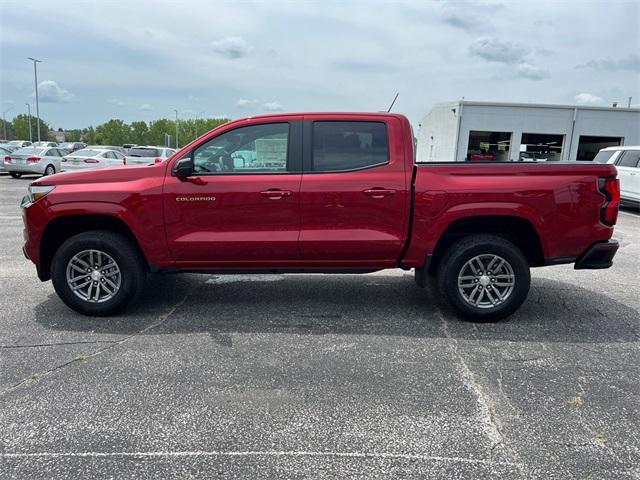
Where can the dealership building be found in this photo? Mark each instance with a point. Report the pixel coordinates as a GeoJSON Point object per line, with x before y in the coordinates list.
{"type": "Point", "coordinates": [467, 130]}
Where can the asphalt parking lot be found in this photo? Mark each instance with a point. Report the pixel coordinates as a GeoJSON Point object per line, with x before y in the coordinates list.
{"type": "Point", "coordinates": [319, 377]}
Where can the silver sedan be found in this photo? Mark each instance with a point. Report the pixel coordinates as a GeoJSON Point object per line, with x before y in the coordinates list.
{"type": "Point", "coordinates": [33, 160]}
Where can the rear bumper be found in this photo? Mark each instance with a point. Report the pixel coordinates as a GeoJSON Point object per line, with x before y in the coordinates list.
{"type": "Point", "coordinates": [598, 255]}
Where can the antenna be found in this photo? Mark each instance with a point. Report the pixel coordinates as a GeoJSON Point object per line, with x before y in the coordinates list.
{"type": "Point", "coordinates": [394, 101]}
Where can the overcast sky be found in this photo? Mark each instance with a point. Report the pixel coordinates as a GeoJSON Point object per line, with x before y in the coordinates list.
{"type": "Point", "coordinates": [140, 60]}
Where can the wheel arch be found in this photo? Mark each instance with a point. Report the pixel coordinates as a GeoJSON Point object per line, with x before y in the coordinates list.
{"type": "Point", "coordinates": [516, 229]}
{"type": "Point", "coordinates": [63, 227]}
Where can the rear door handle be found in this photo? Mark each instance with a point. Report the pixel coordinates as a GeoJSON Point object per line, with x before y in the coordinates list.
{"type": "Point", "coordinates": [379, 192]}
{"type": "Point", "coordinates": [275, 194]}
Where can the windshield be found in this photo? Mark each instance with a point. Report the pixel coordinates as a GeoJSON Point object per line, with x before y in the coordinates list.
{"type": "Point", "coordinates": [86, 152]}
{"type": "Point", "coordinates": [144, 152]}
{"type": "Point", "coordinates": [603, 156]}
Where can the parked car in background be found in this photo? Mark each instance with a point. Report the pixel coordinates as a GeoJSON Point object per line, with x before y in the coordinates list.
{"type": "Point", "coordinates": [4, 152]}
{"type": "Point", "coordinates": [481, 156]}
{"type": "Point", "coordinates": [45, 144]}
{"type": "Point", "coordinates": [30, 160]}
{"type": "Point", "coordinates": [8, 146]}
{"type": "Point", "coordinates": [107, 147]}
{"type": "Point", "coordinates": [72, 146]}
{"type": "Point", "coordinates": [627, 161]}
{"type": "Point", "coordinates": [92, 158]}
{"type": "Point", "coordinates": [533, 157]}
{"type": "Point", "coordinates": [146, 155]}
{"type": "Point", "coordinates": [19, 143]}
{"type": "Point", "coordinates": [128, 146]}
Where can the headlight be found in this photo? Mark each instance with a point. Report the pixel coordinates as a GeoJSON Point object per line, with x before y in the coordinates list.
{"type": "Point", "coordinates": [36, 192]}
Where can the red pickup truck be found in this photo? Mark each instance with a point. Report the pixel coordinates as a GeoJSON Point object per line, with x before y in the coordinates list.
{"type": "Point", "coordinates": [319, 192]}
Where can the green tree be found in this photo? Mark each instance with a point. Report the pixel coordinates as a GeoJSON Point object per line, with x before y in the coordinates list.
{"type": "Point", "coordinates": [20, 128]}
{"type": "Point", "coordinates": [73, 135]}
{"type": "Point", "coordinates": [114, 132]}
{"type": "Point", "coordinates": [89, 135]}
{"type": "Point", "coordinates": [139, 133]}
{"type": "Point", "coordinates": [159, 128]}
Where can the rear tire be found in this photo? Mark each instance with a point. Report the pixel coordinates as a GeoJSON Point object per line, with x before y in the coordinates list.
{"type": "Point", "coordinates": [15, 174]}
{"type": "Point", "coordinates": [484, 277]}
{"type": "Point", "coordinates": [98, 273]}
{"type": "Point", "coordinates": [50, 170]}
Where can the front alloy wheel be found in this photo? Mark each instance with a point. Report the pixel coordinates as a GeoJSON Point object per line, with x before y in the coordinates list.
{"type": "Point", "coordinates": [93, 276]}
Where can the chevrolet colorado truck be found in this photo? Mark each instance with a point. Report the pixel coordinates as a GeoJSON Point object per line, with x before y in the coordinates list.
{"type": "Point", "coordinates": [319, 192]}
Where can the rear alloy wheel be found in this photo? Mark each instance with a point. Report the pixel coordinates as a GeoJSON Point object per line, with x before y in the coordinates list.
{"type": "Point", "coordinates": [15, 174]}
{"type": "Point", "coordinates": [484, 277]}
{"type": "Point", "coordinates": [50, 170]}
{"type": "Point", "coordinates": [98, 272]}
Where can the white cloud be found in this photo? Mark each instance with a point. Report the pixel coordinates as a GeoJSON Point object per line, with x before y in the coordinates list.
{"type": "Point", "coordinates": [50, 92]}
{"type": "Point", "coordinates": [526, 70]}
{"type": "Point", "coordinates": [245, 102]}
{"type": "Point", "coordinates": [145, 107]}
{"type": "Point", "coordinates": [494, 50]}
{"type": "Point", "coordinates": [272, 106]}
{"type": "Point", "coordinates": [631, 62]}
{"type": "Point", "coordinates": [232, 47]}
{"type": "Point", "coordinates": [588, 99]}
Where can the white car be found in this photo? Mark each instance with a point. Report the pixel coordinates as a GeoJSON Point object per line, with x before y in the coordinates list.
{"type": "Point", "coordinates": [92, 158]}
{"type": "Point", "coordinates": [30, 160]}
{"type": "Point", "coordinates": [45, 144]}
{"type": "Point", "coordinates": [627, 162]}
{"type": "Point", "coordinates": [146, 155]}
{"type": "Point", "coordinates": [19, 143]}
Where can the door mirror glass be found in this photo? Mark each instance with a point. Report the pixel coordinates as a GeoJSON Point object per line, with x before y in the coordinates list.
{"type": "Point", "coordinates": [183, 168]}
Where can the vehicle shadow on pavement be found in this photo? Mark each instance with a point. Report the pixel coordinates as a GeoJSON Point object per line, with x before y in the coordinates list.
{"type": "Point", "coordinates": [347, 305]}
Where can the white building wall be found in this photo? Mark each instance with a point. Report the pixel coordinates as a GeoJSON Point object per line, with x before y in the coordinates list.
{"type": "Point", "coordinates": [441, 138]}
{"type": "Point", "coordinates": [438, 133]}
{"type": "Point", "coordinates": [514, 119]}
{"type": "Point", "coordinates": [623, 123]}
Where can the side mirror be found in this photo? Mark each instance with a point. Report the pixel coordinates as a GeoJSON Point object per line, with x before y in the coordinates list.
{"type": "Point", "coordinates": [183, 168]}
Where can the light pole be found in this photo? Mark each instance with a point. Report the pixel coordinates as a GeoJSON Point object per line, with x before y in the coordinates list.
{"type": "Point", "coordinates": [29, 115]}
{"type": "Point", "coordinates": [35, 73]}
{"type": "Point", "coordinates": [4, 122]}
{"type": "Point", "coordinates": [176, 128]}
{"type": "Point", "coordinates": [197, 115]}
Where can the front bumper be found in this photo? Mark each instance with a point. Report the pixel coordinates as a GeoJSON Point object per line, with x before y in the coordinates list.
{"type": "Point", "coordinates": [598, 255]}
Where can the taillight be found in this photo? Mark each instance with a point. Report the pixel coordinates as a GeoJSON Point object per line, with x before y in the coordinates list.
{"type": "Point", "coordinates": [91, 160]}
{"type": "Point", "coordinates": [610, 188]}
{"type": "Point", "coordinates": [33, 159]}
{"type": "Point", "coordinates": [158, 160]}
{"type": "Point", "coordinates": [7, 159]}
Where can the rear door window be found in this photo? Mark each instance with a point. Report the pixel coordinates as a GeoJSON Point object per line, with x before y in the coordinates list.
{"type": "Point", "coordinates": [629, 158]}
{"type": "Point", "coordinates": [344, 146]}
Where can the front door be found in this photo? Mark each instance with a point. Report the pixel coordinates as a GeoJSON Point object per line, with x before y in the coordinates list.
{"type": "Point", "coordinates": [241, 207]}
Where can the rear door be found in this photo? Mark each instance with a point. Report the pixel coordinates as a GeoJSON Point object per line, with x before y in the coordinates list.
{"type": "Point", "coordinates": [241, 208]}
{"type": "Point", "coordinates": [354, 191]}
{"type": "Point", "coordinates": [629, 173]}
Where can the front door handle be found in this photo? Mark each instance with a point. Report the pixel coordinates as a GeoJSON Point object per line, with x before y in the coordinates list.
{"type": "Point", "coordinates": [275, 194]}
{"type": "Point", "coordinates": [378, 192]}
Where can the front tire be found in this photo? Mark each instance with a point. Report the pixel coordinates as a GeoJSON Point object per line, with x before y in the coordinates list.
{"type": "Point", "coordinates": [484, 277]}
{"type": "Point", "coordinates": [15, 174]}
{"type": "Point", "coordinates": [98, 273]}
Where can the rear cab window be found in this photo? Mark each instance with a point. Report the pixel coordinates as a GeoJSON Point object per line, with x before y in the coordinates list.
{"type": "Point", "coordinates": [144, 152]}
{"type": "Point", "coordinates": [340, 146]}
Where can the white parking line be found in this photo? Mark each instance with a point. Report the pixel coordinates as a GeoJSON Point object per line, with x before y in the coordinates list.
{"type": "Point", "coordinates": [267, 453]}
